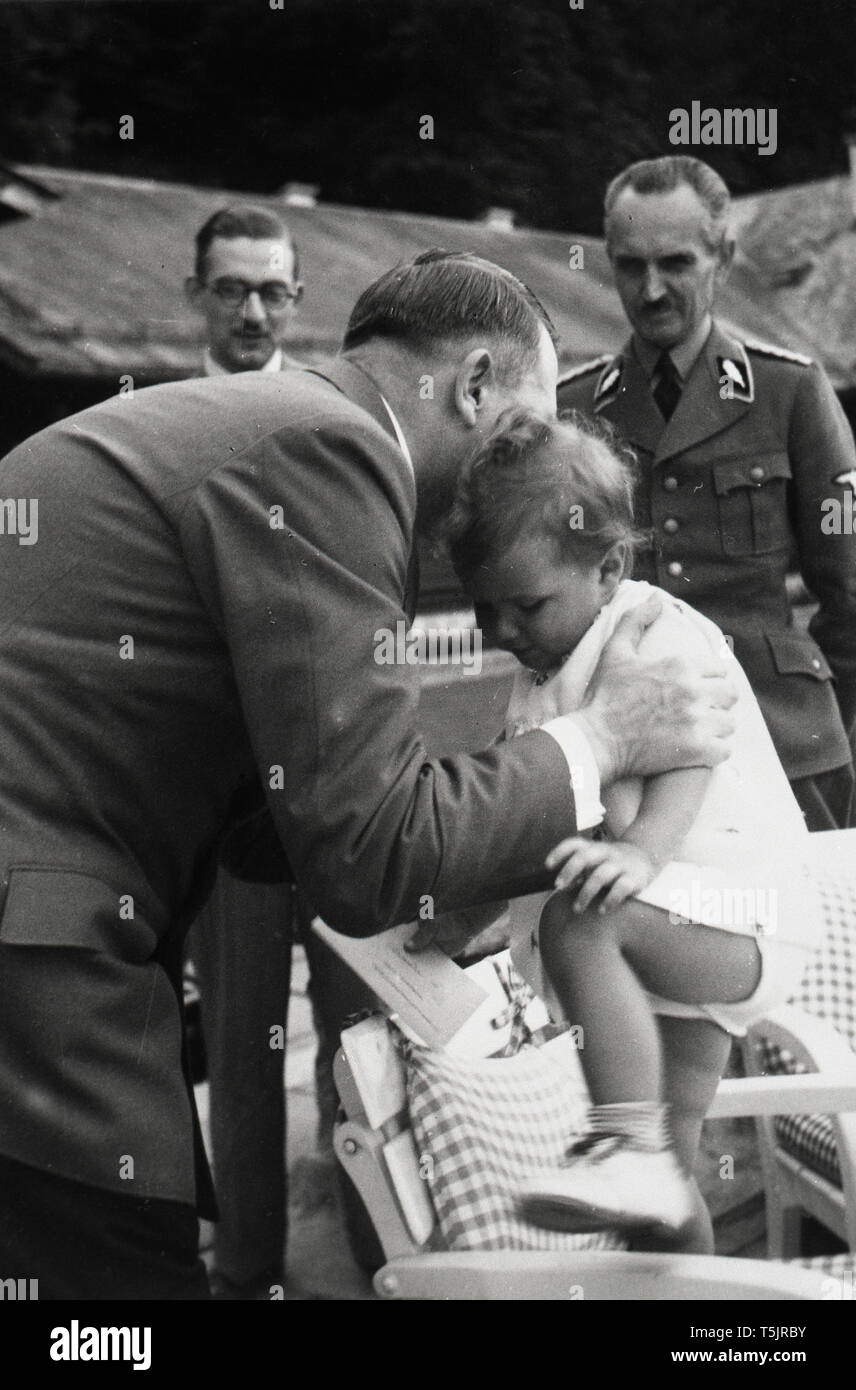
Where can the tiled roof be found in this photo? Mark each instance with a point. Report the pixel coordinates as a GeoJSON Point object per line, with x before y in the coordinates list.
{"type": "Point", "coordinates": [800, 244]}
{"type": "Point", "coordinates": [91, 284]}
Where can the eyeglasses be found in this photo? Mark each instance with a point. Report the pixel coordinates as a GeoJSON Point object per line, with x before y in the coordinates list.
{"type": "Point", "coordinates": [273, 293]}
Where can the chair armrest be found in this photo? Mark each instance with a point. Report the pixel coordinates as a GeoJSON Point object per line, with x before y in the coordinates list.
{"type": "Point", "coordinates": [829, 1088]}
{"type": "Point", "coordinates": [811, 1039]}
{"type": "Point", "coordinates": [592, 1275]}
{"type": "Point", "coordinates": [823, 1093]}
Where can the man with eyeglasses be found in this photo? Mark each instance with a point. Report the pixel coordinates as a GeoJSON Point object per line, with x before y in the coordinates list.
{"type": "Point", "coordinates": [246, 288]}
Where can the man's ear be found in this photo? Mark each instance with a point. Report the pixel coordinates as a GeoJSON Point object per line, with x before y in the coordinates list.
{"type": "Point", "coordinates": [474, 375]}
{"type": "Point", "coordinates": [193, 289]}
{"type": "Point", "coordinates": [726, 259]}
{"type": "Point", "coordinates": [298, 294]}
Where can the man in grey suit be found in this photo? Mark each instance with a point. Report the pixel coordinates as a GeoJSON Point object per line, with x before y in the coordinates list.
{"type": "Point", "coordinates": [246, 285]}
{"type": "Point", "coordinates": [194, 636]}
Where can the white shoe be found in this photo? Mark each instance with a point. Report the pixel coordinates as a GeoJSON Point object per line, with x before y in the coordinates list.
{"type": "Point", "coordinates": [623, 1173]}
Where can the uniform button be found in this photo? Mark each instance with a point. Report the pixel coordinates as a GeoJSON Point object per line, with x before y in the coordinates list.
{"type": "Point", "coordinates": [670, 483]}
{"type": "Point", "coordinates": [756, 473]}
{"type": "Point", "coordinates": [675, 569]}
{"type": "Point", "coordinates": [815, 663]}
{"type": "Point", "coordinates": [670, 525]}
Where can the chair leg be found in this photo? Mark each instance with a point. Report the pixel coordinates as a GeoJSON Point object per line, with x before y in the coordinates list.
{"type": "Point", "coordinates": [784, 1230]}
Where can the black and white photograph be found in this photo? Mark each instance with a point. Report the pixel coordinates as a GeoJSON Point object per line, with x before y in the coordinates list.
{"type": "Point", "coordinates": [427, 674]}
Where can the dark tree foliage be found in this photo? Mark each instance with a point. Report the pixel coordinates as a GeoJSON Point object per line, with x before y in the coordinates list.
{"type": "Point", "coordinates": [535, 105]}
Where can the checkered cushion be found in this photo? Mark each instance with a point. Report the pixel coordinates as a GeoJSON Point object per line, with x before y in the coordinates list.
{"type": "Point", "coordinates": [483, 1125]}
{"type": "Point", "coordinates": [810, 1139]}
{"type": "Point", "coordinates": [827, 990]}
{"type": "Point", "coordinates": [841, 1272]}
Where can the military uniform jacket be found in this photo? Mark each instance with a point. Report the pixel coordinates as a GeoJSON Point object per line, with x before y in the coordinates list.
{"type": "Point", "coordinates": [214, 562]}
{"type": "Point", "coordinates": [731, 492]}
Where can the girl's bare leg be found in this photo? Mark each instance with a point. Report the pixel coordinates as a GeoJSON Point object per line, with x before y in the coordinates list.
{"type": "Point", "coordinates": [601, 968]}
{"type": "Point", "coordinates": [695, 1053]}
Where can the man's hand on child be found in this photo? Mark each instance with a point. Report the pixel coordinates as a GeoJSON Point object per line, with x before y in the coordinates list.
{"type": "Point", "coordinates": [645, 715]}
{"type": "Point", "coordinates": [605, 871]}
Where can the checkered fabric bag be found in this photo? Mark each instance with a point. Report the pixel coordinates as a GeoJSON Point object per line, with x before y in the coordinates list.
{"type": "Point", "coordinates": [483, 1125]}
{"type": "Point", "coordinates": [827, 990]}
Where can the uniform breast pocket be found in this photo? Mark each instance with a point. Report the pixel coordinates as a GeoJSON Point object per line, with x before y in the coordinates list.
{"type": "Point", "coordinates": [752, 503]}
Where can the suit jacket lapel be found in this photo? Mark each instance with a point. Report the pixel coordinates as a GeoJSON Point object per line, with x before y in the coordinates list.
{"type": "Point", "coordinates": [360, 389]}
{"type": "Point", "coordinates": [701, 411]}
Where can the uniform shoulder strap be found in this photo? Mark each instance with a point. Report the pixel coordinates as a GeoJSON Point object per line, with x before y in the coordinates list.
{"type": "Point", "coordinates": [595, 364]}
{"type": "Point", "coordinates": [773, 350]}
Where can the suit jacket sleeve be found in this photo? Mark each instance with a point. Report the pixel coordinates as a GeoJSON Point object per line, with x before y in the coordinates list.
{"type": "Point", "coordinates": [299, 550]}
{"type": "Point", "coordinates": [821, 448]}
{"type": "Point", "coordinates": [250, 848]}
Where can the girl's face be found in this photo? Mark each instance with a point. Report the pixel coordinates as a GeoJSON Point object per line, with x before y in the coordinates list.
{"type": "Point", "coordinates": [537, 603]}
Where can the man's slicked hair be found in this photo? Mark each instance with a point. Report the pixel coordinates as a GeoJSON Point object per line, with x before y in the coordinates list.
{"type": "Point", "coordinates": [243, 220]}
{"type": "Point", "coordinates": [451, 295]}
{"type": "Point", "coordinates": [666, 174]}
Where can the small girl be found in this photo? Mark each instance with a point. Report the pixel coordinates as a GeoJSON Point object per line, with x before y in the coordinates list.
{"type": "Point", "coordinates": [690, 914]}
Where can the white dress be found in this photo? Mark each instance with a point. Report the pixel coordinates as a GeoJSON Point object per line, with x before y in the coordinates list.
{"type": "Point", "coordinates": [742, 862]}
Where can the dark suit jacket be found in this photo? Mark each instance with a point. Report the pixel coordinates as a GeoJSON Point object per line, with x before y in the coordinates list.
{"type": "Point", "coordinates": [732, 489]}
{"type": "Point", "coordinates": [214, 559]}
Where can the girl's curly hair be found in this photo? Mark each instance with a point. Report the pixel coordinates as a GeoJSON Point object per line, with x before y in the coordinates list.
{"type": "Point", "coordinates": [568, 479]}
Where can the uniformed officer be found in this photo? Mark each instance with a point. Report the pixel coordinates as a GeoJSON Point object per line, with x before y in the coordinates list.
{"type": "Point", "coordinates": [739, 445]}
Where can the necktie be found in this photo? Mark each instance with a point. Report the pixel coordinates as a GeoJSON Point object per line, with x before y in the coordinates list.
{"type": "Point", "coordinates": [667, 392]}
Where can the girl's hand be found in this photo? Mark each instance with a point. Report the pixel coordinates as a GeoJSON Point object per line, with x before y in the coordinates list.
{"type": "Point", "coordinates": [612, 871]}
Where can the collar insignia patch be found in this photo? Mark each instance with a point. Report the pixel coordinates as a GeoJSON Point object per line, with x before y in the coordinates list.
{"type": "Point", "coordinates": [847, 479]}
{"type": "Point", "coordinates": [608, 384]}
{"type": "Point", "coordinates": [734, 375]}
{"type": "Point", "coordinates": [735, 380]}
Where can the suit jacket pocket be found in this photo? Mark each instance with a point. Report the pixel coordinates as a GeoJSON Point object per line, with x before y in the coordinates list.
{"type": "Point", "coordinates": [751, 497]}
{"type": "Point", "coordinates": [63, 907]}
